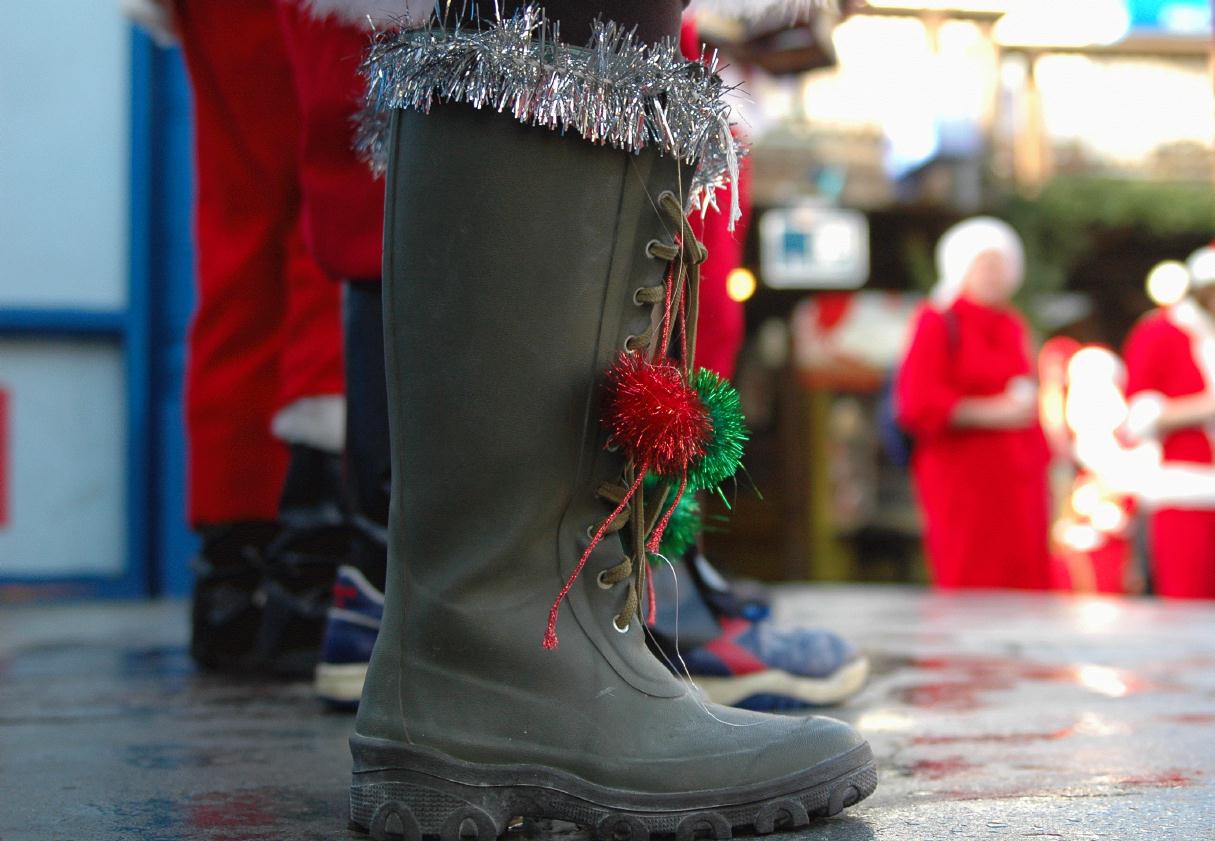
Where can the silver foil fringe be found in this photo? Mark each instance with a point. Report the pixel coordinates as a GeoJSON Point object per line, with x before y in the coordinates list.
{"type": "Point", "coordinates": [615, 91]}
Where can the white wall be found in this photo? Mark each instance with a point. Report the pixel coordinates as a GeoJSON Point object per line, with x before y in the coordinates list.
{"type": "Point", "coordinates": [64, 160]}
{"type": "Point", "coordinates": [64, 111]}
{"type": "Point", "coordinates": [66, 428]}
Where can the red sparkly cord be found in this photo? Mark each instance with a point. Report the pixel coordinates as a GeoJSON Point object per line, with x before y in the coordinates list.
{"type": "Point", "coordinates": [683, 327]}
{"type": "Point", "coordinates": [550, 632]}
{"type": "Point", "coordinates": [666, 311]}
{"type": "Point", "coordinates": [660, 529]}
{"type": "Point", "coordinates": [652, 618]}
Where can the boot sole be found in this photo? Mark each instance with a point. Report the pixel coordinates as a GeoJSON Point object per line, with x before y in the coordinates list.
{"type": "Point", "coordinates": [803, 691]}
{"type": "Point", "coordinates": [410, 795]}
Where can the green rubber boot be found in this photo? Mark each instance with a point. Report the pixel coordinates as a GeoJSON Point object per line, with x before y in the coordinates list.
{"type": "Point", "coordinates": [518, 265]}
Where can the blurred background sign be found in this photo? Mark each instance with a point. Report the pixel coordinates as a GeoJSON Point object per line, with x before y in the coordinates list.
{"type": "Point", "coordinates": [851, 341]}
{"type": "Point", "coordinates": [814, 247]}
{"type": "Point", "coordinates": [1177, 17]}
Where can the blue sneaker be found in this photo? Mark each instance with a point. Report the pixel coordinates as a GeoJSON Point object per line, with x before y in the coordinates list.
{"type": "Point", "coordinates": [758, 666]}
{"type": "Point", "coordinates": [351, 627]}
{"type": "Point", "coordinates": [744, 660]}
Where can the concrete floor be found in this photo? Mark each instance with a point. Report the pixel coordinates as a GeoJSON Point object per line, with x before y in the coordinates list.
{"type": "Point", "coordinates": [993, 716]}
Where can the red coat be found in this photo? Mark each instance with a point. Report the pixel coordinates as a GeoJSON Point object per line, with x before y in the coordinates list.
{"type": "Point", "coordinates": [1171, 353]}
{"type": "Point", "coordinates": [342, 203]}
{"type": "Point", "coordinates": [1160, 361]}
{"type": "Point", "coordinates": [983, 492]}
{"type": "Point", "coordinates": [721, 327]}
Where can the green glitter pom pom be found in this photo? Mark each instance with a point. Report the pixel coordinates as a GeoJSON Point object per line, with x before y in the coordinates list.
{"type": "Point", "coordinates": [687, 522]}
{"type": "Point", "coordinates": [684, 528]}
{"type": "Point", "coordinates": [724, 452]}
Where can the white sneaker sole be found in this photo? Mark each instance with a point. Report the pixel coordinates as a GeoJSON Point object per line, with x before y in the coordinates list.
{"type": "Point", "coordinates": [340, 683]}
{"type": "Point", "coordinates": [818, 692]}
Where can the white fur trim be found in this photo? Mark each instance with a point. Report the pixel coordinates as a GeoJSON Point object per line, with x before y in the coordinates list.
{"type": "Point", "coordinates": [154, 17]}
{"type": "Point", "coordinates": [318, 422]}
{"type": "Point", "coordinates": [1142, 471]}
{"type": "Point", "coordinates": [1143, 415]}
{"type": "Point", "coordinates": [1197, 323]}
{"type": "Point", "coordinates": [963, 243]}
{"type": "Point", "coordinates": [1181, 486]}
{"type": "Point", "coordinates": [370, 13]}
{"type": "Point", "coordinates": [1201, 265]}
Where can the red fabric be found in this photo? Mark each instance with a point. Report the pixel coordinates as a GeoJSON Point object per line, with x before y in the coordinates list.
{"type": "Point", "coordinates": [689, 39]}
{"type": "Point", "coordinates": [983, 492]}
{"type": "Point", "coordinates": [1159, 358]}
{"type": "Point", "coordinates": [343, 202]}
{"type": "Point", "coordinates": [736, 658]}
{"type": "Point", "coordinates": [1102, 570]}
{"type": "Point", "coordinates": [267, 327]}
{"type": "Point", "coordinates": [1183, 553]}
{"type": "Point", "coordinates": [720, 327]}
{"type": "Point", "coordinates": [831, 308]}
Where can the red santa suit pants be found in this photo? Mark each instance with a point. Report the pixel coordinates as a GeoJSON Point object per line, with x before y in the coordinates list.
{"type": "Point", "coordinates": [721, 324]}
{"type": "Point", "coordinates": [1183, 553]}
{"type": "Point", "coordinates": [267, 328]}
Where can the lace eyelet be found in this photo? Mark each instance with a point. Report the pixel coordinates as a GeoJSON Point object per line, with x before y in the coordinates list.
{"type": "Point", "coordinates": [616, 625]}
{"type": "Point", "coordinates": [603, 585]}
{"type": "Point", "coordinates": [590, 532]}
{"type": "Point", "coordinates": [628, 341]}
{"type": "Point", "coordinates": [637, 302]}
{"type": "Point", "coordinates": [649, 249]}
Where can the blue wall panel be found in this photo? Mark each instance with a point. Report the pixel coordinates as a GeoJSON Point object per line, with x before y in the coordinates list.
{"type": "Point", "coordinates": [172, 302]}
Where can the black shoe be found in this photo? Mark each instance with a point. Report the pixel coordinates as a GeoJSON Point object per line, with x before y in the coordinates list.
{"type": "Point", "coordinates": [226, 616]}
{"type": "Point", "coordinates": [740, 598]}
{"type": "Point", "coordinates": [301, 563]}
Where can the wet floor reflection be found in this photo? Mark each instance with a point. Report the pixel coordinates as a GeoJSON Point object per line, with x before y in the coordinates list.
{"type": "Point", "coordinates": [990, 717]}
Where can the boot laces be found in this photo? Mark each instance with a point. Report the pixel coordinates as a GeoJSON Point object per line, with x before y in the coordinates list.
{"type": "Point", "coordinates": [679, 298]}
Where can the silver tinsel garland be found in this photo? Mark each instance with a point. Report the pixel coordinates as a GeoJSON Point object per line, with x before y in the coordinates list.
{"type": "Point", "coordinates": [615, 91]}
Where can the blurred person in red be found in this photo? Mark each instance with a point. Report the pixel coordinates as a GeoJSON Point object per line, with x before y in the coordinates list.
{"type": "Point", "coordinates": [1170, 360]}
{"type": "Point", "coordinates": [282, 209]}
{"type": "Point", "coordinates": [966, 396]}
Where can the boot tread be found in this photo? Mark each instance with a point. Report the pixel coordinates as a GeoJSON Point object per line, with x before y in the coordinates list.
{"type": "Point", "coordinates": [399, 805]}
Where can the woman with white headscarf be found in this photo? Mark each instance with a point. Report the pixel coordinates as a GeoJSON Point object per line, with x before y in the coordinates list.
{"type": "Point", "coordinates": [966, 396]}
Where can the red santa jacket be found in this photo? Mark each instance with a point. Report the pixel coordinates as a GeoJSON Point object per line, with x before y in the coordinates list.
{"type": "Point", "coordinates": [1169, 354]}
{"type": "Point", "coordinates": [969, 351]}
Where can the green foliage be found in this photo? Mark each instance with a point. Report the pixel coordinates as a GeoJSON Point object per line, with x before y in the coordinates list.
{"type": "Point", "coordinates": [1061, 224]}
{"type": "Point", "coordinates": [919, 257]}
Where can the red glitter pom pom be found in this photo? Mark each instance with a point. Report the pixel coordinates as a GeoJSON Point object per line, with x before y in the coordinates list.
{"type": "Point", "coordinates": [654, 415]}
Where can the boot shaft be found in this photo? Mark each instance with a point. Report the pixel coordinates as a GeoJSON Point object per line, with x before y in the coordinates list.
{"type": "Point", "coordinates": [500, 319]}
